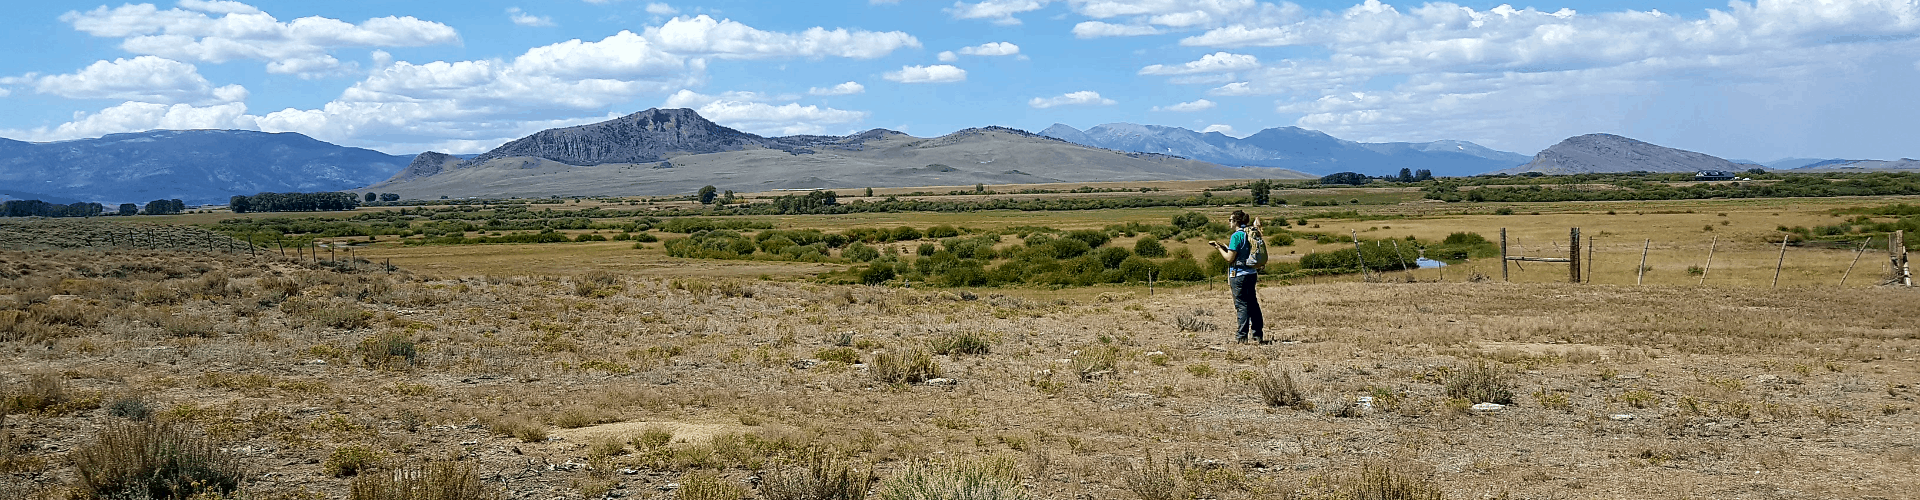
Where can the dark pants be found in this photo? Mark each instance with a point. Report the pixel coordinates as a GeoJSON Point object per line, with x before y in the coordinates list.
{"type": "Point", "coordinates": [1247, 304]}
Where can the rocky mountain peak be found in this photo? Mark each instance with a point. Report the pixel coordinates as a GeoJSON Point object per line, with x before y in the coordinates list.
{"type": "Point", "coordinates": [646, 136]}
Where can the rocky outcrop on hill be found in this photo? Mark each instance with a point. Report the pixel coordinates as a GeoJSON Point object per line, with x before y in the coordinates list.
{"type": "Point", "coordinates": [646, 136]}
{"type": "Point", "coordinates": [426, 164]}
{"type": "Point", "coordinates": [1600, 153]}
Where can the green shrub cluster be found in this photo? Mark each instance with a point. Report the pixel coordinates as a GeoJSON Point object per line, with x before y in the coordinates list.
{"type": "Point", "coordinates": [1374, 255]}
{"type": "Point", "coordinates": [1458, 247]}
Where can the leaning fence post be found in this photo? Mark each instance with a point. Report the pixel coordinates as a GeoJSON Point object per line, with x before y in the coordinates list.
{"type": "Point", "coordinates": [1856, 260]}
{"type": "Point", "coordinates": [1709, 268]}
{"type": "Point", "coordinates": [1357, 255]}
{"type": "Point", "coordinates": [1403, 258]}
{"type": "Point", "coordinates": [1642, 277]}
{"type": "Point", "coordinates": [1782, 261]}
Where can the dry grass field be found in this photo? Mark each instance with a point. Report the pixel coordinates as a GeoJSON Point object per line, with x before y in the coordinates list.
{"type": "Point", "coordinates": [594, 370]}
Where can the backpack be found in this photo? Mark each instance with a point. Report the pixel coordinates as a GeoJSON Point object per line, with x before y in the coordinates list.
{"type": "Point", "coordinates": [1256, 251]}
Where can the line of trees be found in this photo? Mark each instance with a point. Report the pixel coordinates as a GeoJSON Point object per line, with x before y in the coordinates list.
{"type": "Point", "coordinates": [37, 208]}
{"type": "Point", "coordinates": [293, 202]}
{"type": "Point", "coordinates": [163, 207]}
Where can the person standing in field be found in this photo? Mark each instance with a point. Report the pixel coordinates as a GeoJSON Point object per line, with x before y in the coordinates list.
{"type": "Point", "coordinates": [1242, 277]}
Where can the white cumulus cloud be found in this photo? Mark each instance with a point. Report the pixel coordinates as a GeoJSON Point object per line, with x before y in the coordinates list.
{"type": "Point", "coordinates": [142, 116]}
{"type": "Point", "coordinates": [1187, 107]}
{"type": "Point", "coordinates": [1224, 129]}
{"type": "Point", "coordinates": [301, 46]}
{"type": "Point", "coordinates": [145, 79]}
{"type": "Point", "coordinates": [1097, 29]}
{"type": "Point", "coordinates": [991, 49]}
{"type": "Point", "coordinates": [848, 88]}
{"type": "Point", "coordinates": [661, 9]}
{"type": "Point", "coordinates": [703, 35]}
{"type": "Point", "coordinates": [748, 111]}
{"type": "Point", "coordinates": [1081, 98]}
{"type": "Point", "coordinates": [947, 56]}
{"type": "Point", "coordinates": [938, 73]}
{"type": "Point", "coordinates": [522, 18]}
{"type": "Point", "coordinates": [1217, 62]}
{"type": "Point", "coordinates": [998, 11]}
{"type": "Point", "coordinates": [1476, 72]}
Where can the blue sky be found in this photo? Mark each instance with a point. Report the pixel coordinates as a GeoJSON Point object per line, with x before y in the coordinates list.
{"type": "Point", "coordinates": [1757, 81]}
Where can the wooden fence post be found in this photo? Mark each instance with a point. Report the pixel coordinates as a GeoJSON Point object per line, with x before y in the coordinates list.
{"type": "Point", "coordinates": [1503, 254]}
{"type": "Point", "coordinates": [1782, 261]}
{"type": "Point", "coordinates": [1573, 256]}
{"type": "Point", "coordinates": [1642, 270]}
{"type": "Point", "coordinates": [1897, 249]}
{"type": "Point", "coordinates": [1709, 268]}
{"type": "Point", "coordinates": [1589, 259]}
{"type": "Point", "coordinates": [1856, 260]}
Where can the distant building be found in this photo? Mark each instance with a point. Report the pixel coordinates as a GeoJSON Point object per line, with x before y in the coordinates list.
{"type": "Point", "coordinates": [1713, 175]}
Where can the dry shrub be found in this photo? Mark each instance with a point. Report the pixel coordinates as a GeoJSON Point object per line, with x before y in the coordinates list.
{"type": "Point", "coordinates": [910, 366]}
{"type": "Point", "coordinates": [817, 475]}
{"type": "Point", "coordinates": [593, 282]}
{"type": "Point", "coordinates": [993, 478]}
{"type": "Point", "coordinates": [13, 457]}
{"type": "Point", "coordinates": [651, 438]}
{"type": "Point", "coordinates": [1372, 482]}
{"type": "Point", "coordinates": [42, 392]}
{"type": "Point", "coordinates": [1182, 478]}
{"type": "Point", "coordinates": [842, 354]}
{"type": "Point", "coordinates": [154, 460]}
{"type": "Point", "coordinates": [189, 325]}
{"type": "Point", "coordinates": [1193, 324]}
{"type": "Point", "coordinates": [1096, 361]}
{"type": "Point", "coordinates": [131, 407]}
{"type": "Point", "coordinates": [1156, 479]}
{"type": "Point", "coordinates": [392, 350]}
{"type": "Point", "coordinates": [955, 344]}
{"type": "Point", "coordinates": [428, 481]}
{"type": "Point", "coordinates": [156, 294]}
{"type": "Point", "coordinates": [66, 312]}
{"type": "Point", "coordinates": [574, 417]}
{"type": "Point", "coordinates": [1278, 390]}
{"type": "Point", "coordinates": [519, 427]}
{"type": "Point", "coordinates": [351, 460]}
{"type": "Point", "coordinates": [1481, 384]}
{"type": "Point", "coordinates": [706, 485]}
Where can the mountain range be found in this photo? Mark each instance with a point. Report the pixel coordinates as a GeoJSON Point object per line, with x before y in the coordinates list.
{"type": "Point", "coordinates": [195, 166]}
{"type": "Point", "coordinates": [1293, 148]}
{"type": "Point", "coordinates": [676, 151]}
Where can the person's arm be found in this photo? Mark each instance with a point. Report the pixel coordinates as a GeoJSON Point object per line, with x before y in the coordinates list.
{"type": "Point", "coordinates": [1225, 253]}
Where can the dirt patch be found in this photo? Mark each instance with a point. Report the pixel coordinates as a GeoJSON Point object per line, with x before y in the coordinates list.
{"type": "Point", "coordinates": [683, 432]}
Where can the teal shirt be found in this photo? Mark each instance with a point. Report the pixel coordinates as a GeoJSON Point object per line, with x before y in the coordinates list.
{"type": "Point", "coordinates": [1240, 247]}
